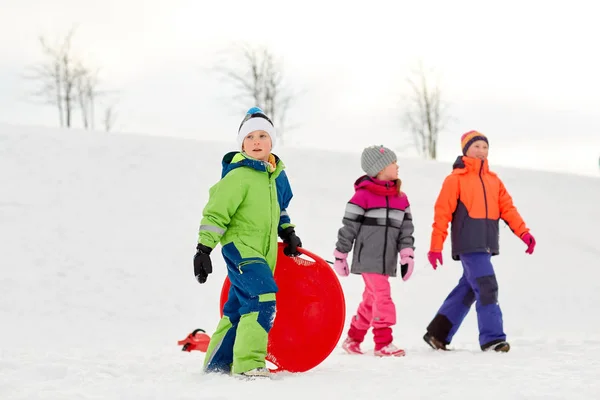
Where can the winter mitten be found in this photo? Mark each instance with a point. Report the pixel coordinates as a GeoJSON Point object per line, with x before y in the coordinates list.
{"type": "Point", "coordinates": [202, 263]}
{"type": "Point", "coordinates": [529, 241]}
{"type": "Point", "coordinates": [341, 264]}
{"type": "Point", "coordinates": [407, 263]}
{"type": "Point", "coordinates": [434, 257]}
{"type": "Point", "coordinates": [288, 235]}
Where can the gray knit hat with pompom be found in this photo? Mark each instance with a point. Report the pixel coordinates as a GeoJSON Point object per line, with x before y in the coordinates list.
{"type": "Point", "coordinates": [376, 158]}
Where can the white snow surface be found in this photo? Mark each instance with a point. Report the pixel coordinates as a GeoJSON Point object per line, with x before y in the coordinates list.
{"type": "Point", "coordinates": [97, 236]}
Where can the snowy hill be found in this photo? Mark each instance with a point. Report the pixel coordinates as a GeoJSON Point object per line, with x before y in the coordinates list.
{"type": "Point", "coordinates": [98, 233]}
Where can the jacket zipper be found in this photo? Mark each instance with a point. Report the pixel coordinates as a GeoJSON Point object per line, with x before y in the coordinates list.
{"type": "Point", "coordinates": [270, 181]}
{"type": "Point", "coordinates": [486, 204]}
{"type": "Point", "coordinates": [387, 216]}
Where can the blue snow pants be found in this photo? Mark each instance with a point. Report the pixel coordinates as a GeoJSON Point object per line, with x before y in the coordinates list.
{"type": "Point", "coordinates": [477, 284]}
{"type": "Point", "coordinates": [240, 341]}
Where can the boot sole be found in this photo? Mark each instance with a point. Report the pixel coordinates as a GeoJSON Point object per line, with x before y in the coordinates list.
{"type": "Point", "coordinates": [400, 354]}
{"type": "Point", "coordinates": [244, 377]}
{"type": "Point", "coordinates": [352, 352]}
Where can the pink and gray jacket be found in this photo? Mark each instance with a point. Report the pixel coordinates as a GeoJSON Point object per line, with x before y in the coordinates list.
{"type": "Point", "coordinates": [378, 224]}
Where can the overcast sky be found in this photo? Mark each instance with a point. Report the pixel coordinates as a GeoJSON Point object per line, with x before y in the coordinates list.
{"type": "Point", "coordinates": [523, 72]}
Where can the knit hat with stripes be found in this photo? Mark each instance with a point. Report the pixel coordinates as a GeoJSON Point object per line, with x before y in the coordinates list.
{"type": "Point", "coordinates": [469, 138]}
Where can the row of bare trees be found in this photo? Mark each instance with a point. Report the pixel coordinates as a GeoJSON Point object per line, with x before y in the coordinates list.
{"type": "Point", "coordinates": [67, 83]}
{"type": "Point", "coordinates": [261, 78]}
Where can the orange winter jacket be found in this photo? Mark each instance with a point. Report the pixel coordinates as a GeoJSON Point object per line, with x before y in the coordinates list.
{"type": "Point", "coordinates": [474, 199]}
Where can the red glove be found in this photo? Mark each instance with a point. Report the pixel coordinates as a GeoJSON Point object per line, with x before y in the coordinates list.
{"type": "Point", "coordinates": [529, 241]}
{"type": "Point", "coordinates": [434, 257]}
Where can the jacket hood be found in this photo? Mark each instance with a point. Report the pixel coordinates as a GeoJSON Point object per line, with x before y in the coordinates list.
{"type": "Point", "coordinates": [235, 159]}
{"type": "Point", "coordinates": [465, 164]}
{"type": "Point", "coordinates": [376, 186]}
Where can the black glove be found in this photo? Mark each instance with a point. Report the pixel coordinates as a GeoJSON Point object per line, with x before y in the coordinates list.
{"type": "Point", "coordinates": [202, 263]}
{"type": "Point", "coordinates": [288, 235]}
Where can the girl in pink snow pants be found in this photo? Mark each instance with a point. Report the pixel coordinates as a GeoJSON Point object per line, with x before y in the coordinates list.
{"type": "Point", "coordinates": [378, 224]}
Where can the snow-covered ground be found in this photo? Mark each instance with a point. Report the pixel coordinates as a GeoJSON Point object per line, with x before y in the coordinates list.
{"type": "Point", "coordinates": [97, 236]}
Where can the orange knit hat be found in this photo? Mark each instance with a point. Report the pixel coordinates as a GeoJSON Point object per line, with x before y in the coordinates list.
{"type": "Point", "coordinates": [469, 138]}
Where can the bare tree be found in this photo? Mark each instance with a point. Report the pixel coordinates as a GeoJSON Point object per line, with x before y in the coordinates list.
{"type": "Point", "coordinates": [109, 117]}
{"type": "Point", "coordinates": [66, 82]}
{"type": "Point", "coordinates": [57, 77]}
{"type": "Point", "coordinates": [87, 92]}
{"type": "Point", "coordinates": [426, 113]}
{"type": "Point", "coordinates": [259, 77]}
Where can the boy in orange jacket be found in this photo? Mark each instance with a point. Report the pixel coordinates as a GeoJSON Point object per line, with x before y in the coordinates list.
{"type": "Point", "coordinates": [474, 199]}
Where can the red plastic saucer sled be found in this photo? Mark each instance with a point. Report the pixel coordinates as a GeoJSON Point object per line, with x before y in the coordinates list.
{"type": "Point", "coordinates": [311, 311]}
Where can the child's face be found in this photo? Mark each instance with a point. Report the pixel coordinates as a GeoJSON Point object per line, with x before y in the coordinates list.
{"type": "Point", "coordinates": [389, 173]}
{"type": "Point", "coordinates": [478, 149]}
{"type": "Point", "coordinates": [258, 145]}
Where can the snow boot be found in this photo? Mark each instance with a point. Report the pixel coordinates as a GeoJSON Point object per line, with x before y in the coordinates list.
{"type": "Point", "coordinates": [389, 351]}
{"type": "Point", "coordinates": [499, 347]}
{"type": "Point", "coordinates": [435, 343]}
{"type": "Point", "coordinates": [254, 373]}
{"type": "Point", "coordinates": [351, 346]}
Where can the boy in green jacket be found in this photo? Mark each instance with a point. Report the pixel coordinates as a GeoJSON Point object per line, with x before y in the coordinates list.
{"type": "Point", "coordinates": [245, 213]}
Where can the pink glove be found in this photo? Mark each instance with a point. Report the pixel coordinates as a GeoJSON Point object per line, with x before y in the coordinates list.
{"type": "Point", "coordinates": [434, 257]}
{"type": "Point", "coordinates": [407, 263]}
{"type": "Point", "coordinates": [529, 241]}
{"type": "Point", "coordinates": [341, 265]}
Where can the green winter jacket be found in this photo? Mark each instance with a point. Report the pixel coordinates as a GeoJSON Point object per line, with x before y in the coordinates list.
{"type": "Point", "coordinates": [247, 208]}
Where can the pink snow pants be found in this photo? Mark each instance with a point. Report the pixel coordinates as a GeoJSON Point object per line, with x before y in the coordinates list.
{"type": "Point", "coordinates": [377, 310]}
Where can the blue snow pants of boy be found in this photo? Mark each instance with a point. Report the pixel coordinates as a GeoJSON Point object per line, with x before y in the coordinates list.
{"type": "Point", "coordinates": [239, 343]}
{"type": "Point", "coordinates": [477, 284]}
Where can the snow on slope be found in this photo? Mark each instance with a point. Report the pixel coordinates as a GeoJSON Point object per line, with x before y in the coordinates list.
{"type": "Point", "coordinates": [97, 236]}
